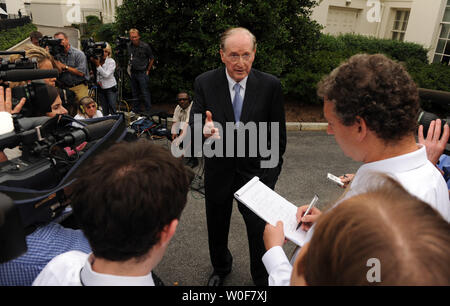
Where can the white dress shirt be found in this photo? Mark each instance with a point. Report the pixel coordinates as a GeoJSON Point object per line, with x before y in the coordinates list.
{"type": "Point", "coordinates": [74, 268]}
{"type": "Point", "coordinates": [413, 171]}
{"type": "Point", "coordinates": [105, 74]}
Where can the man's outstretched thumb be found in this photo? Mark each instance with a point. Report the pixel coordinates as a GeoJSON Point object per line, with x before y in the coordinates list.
{"type": "Point", "coordinates": [208, 116]}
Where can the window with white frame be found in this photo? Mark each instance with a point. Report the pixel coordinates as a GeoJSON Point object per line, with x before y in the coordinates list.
{"type": "Point", "coordinates": [442, 53]}
{"type": "Point", "coordinates": [400, 23]}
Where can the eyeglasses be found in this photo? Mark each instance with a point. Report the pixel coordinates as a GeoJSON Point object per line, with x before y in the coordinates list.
{"type": "Point", "coordinates": [182, 99]}
{"type": "Point", "coordinates": [236, 57]}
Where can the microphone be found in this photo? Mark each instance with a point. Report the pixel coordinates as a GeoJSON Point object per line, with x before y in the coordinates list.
{"type": "Point", "coordinates": [25, 75]}
{"type": "Point", "coordinates": [89, 133]}
{"type": "Point", "coordinates": [8, 137]}
{"type": "Point", "coordinates": [98, 130]}
{"type": "Point", "coordinates": [32, 122]}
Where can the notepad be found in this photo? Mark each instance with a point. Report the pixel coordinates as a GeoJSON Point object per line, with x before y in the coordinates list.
{"type": "Point", "coordinates": [271, 207]}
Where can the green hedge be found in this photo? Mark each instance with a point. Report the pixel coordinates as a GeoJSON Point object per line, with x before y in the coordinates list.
{"type": "Point", "coordinates": [300, 84]}
{"type": "Point", "coordinates": [14, 36]}
{"type": "Point", "coordinates": [179, 60]}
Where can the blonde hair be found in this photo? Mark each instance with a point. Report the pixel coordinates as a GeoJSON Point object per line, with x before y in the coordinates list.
{"type": "Point", "coordinates": [32, 52]}
{"type": "Point", "coordinates": [133, 30]}
{"type": "Point", "coordinates": [108, 48]}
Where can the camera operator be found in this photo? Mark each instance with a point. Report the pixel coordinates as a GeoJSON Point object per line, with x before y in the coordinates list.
{"type": "Point", "coordinates": [73, 67]}
{"type": "Point", "coordinates": [435, 145]}
{"type": "Point", "coordinates": [6, 111]}
{"type": "Point", "coordinates": [107, 92]}
{"type": "Point", "coordinates": [35, 36]}
{"type": "Point", "coordinates": [141, 62]}
{"type": "Point", "coordinates": [44, 60]}
{"type": "Point", "coordinates": [47, 240]}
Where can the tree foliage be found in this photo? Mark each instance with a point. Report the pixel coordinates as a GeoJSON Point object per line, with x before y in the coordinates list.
{"type": "Point", "coordinates": [184, 36]}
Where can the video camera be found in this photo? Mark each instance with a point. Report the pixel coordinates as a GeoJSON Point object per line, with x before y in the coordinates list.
{"type": "Point", "coordinates": [122, 42]}
{"type": "Point", "coordinates": [25, 69]}
{"type": "Point", "coordinates": [21, 63]}
{"type": "Point", "coordinates": [35, 182]}
{"type": "Point", "coordinates": [120, 50]}
{"type": "Point", "coordinates": [440, 101]}
{"type": "Point", "coordinates": [92, 48]}
{"type": "Point", "coordinates": [54, 46]}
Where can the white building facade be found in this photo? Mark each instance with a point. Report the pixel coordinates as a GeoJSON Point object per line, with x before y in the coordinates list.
{"type": "Point", "coordinates": [426, 22]}
{"type": "Point", "coordinates": [60, 13]}
{"type": "Point", "coordinates": [13, 7]}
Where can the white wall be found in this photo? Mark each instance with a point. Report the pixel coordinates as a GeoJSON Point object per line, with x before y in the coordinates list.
{"type": "Point", "coordinates": [423, 25]}
{"type": "Point", "coordinates": [13, 6]}
{"type": "Point", "coordinates": [49, 12]}
{"type": "Point", "coordinates": [59, 13]}
{"type": "Point", "coordinates": [426, 17]}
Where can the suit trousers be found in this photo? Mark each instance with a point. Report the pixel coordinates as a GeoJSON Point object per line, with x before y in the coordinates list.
{"type": "Point", "coordinates": [218, 215]}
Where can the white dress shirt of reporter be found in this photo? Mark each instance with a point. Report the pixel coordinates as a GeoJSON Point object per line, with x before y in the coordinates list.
{"type": "Point", "coordinates": [73, 68]}
{"type": "Point", "coordinates": [106, 80]}
{"type": "Point", "coordinates": [371, 105]}
{"type": "Point", "coordinates": [129, 231]}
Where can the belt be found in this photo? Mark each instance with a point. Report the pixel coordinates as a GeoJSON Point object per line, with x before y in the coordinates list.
{"type": "Point", "coordinates": [79, 83]}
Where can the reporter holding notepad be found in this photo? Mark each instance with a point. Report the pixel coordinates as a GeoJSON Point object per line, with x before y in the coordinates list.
{"type": "Point", "coordinates": [371, 105]}
{"type": "Point", "coordinates": [357, 242]}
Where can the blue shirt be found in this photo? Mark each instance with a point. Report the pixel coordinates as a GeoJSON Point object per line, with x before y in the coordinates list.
{"type": "Point", "coordinates": [44, 244]}
{"type": "Point", "coordinates": [444, 165]}
{"type": "Point", "coordinates": [76, 59]}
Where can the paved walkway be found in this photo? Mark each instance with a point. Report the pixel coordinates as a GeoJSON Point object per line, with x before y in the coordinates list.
{"type": "Point", "coordinates": [309, 157]}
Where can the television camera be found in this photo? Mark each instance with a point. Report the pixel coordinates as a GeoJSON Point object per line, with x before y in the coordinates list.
{"type": "Point", "coordinates": [32, 186]}
{"type": "Point", "coordinates": [54, 46]}
{"type": "Point", "coordinates": [25, 69]}
{"type": "Point", "coordinates": [92, 48]}
{"type": "Point", "coordinates": [440, 102]}
{"type": "Point", "coordinates": [120, 51]}
{"type": "Point", "coordinates": [36, 181]}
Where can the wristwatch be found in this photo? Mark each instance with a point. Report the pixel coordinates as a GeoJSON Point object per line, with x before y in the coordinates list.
{"type": "Point", "coordinates": [66, 68]}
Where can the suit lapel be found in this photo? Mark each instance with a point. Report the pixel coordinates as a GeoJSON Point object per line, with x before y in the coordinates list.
{"type": "Point", "coordinates": [251, 96]}
{"type": "Point", "coordinates": [223, 95]}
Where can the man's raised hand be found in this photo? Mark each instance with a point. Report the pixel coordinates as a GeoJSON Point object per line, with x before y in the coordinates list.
{"type": "Point", "coordinates": [208, 129]}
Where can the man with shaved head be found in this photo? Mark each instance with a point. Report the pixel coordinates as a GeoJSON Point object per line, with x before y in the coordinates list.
{"type": "Point", "coordinates": [241, 96]}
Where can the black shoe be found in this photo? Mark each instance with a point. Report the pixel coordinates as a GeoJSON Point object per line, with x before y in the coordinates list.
{"type": "Point", "coordinates": [216, 280]}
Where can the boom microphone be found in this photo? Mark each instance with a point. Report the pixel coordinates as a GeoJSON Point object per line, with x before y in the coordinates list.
{"type": "Point", "coordinates": [25, 75]}
{"type": "Point", "coordinates": [90, 132]}
{"type": "Point", "coordinates": [98, 130]}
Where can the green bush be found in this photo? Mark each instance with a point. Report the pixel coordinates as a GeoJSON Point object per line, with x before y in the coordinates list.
{"type": "Point", "coordinates": [184, 36]}
{"type": "Point", "coordinates": [14, 36]}
{"type": "Point", "coordinates": [106, 32]}
{"type": "Point", "coordinates": [331, 51]}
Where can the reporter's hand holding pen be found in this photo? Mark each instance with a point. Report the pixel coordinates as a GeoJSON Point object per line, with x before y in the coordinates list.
{"type": "Point", "coordinates": [307, 215]}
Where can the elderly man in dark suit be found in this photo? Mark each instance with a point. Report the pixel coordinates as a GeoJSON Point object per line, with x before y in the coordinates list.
{"type": "Point", "coordinates": [244, 98]}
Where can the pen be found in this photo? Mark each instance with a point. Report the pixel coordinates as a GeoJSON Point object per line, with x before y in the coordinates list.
{"type": "Point", "coordinates": [313, 202]}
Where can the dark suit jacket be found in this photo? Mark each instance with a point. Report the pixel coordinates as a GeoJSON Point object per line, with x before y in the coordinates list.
{"type": "Point", "coordinates": [263, 102]}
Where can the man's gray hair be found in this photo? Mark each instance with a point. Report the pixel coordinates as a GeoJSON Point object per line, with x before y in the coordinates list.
{"type": "Point", "coordinates": [231, 31]}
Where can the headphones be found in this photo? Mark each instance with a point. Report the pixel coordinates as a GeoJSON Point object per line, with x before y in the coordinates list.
{"type": "Point", "coordinates": [86, 101]}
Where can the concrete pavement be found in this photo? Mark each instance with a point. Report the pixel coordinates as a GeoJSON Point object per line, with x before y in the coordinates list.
{"type": "Point", "coordinates": [310, 155]}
